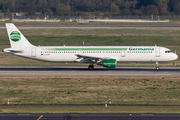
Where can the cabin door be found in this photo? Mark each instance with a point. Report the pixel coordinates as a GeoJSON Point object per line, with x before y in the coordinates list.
{"type": "Point", "coordinates": [33, 52]}
{"type": "Point", "coordinates": [157, 52]}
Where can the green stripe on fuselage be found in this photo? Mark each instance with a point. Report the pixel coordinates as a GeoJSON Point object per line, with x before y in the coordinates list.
{"type": "Point", "coordinates": [86, 49]}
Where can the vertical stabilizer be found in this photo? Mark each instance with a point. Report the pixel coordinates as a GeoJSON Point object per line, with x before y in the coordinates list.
{"type": "Point", "coordinates": [16, 38]}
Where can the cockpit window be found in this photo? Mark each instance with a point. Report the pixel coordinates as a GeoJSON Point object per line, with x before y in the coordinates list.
{"type": "Point", "coordinates": [168, 51]}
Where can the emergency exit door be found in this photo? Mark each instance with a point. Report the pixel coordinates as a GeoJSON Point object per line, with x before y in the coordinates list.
{"type": "Point", "coordinates": [123, 53]}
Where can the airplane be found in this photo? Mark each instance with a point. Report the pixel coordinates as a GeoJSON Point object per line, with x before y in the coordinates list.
{"type": "Point", "coordinates": [106, 56]}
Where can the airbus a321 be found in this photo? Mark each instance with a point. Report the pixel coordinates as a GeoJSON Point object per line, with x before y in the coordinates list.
{"type": "Point", "coordinates": [106, 56]}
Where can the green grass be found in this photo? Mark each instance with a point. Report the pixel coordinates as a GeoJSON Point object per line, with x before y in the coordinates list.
{"type": "Point", "coordinates": [128, 110]}
{"type": "Point", "coordinates": [90, 90]}
{"type": "Point", "coordinates": [92, 37]}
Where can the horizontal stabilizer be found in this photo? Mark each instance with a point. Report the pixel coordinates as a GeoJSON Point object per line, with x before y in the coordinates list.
{"type": "Point", "coordinates": [11, 50]}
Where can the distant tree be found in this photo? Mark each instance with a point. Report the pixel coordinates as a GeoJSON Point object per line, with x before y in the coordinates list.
{"type": "Point", "coordinates": [81, 7]}
{"type": "Point", "coordinates": [105, 5]}
{"type": "Point", "coordinates": [40, 6]}
{"type": "Point", "coordinates": [127, 5]}
{"type": "Point", "coordinates": [163, 6]}
{"type": "Point", "coordinates": [134, 3]}
{"type": "Point", "coordinates": [142, 8]}
{"type": "Point", "coordinates": [39, 2]}
{"type": "Point", "coordinates": [147, 2]}
{"type": "Point", "coordinates": [7, 12]}
{"type": "Point", "coordinates": [89, 6]}
{"type": "Point", "coordinates": [152, 10]}
{"type": "Point", "coordinates": [163, 9]}
{"type": "Point", "coordinates": [125, 12]}
{"type": "Point", "coordinates": [160, 2]}
{"type": "Point", "coordinates": [120, 3]}
{"type": "Point", "coordinates": [114, 9]}
{"type": "Point", "coordinates": [171, 4]}
{"type": "Point", "coordinates": [138, 12]}
{"type": "Point", "coordinates": [177, 8]}
{"type": "Point", "coordinates": [63, 10]}
{"type": "Point", "coordinates": [8, 5]}
{"type": "Point", "coordinates": [65, 2]}
{"type": "Point", "coordinates": [49, 12]}
{"type": "Point", "coordinates": [97, 5]}
{"type": "Point", "coordinates": [75, 5]}
{"type": "Point", "coordinates": [31, 12]}
{"type": "Point", "coordinates": [45, 3]}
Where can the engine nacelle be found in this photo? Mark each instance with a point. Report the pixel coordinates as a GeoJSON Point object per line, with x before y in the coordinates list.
{"type": "Point", "coordinates": [109, 63]}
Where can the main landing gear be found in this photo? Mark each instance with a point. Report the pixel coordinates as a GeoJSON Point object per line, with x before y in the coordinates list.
{"type": "Point", "coordinates": [91, 67]}
{"type": "Point", "coordinates": [157, 67]}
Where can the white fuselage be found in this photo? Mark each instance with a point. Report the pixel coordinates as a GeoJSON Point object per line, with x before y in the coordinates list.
{"type": "Point", "coordinates": [120, 53]}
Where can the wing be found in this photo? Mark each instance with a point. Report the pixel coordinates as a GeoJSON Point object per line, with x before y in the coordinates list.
{"type": "Point", "coordinates": [90, 59]}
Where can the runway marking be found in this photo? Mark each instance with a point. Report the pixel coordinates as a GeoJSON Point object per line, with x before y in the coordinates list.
{"type": "Point", "coordinates": [23, 114]}
{"type": "Point", "coordinates": [146, 114]}
{"type": "Point", "coordinates": [144, 74]}
{"type": "Point", "coordinates": [40, 117]}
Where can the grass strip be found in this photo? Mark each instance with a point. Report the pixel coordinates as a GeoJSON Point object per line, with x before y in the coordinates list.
{"type": "Point", "coordinates": [130, 110]}
{"type": "Point", "coordinates": [89, 90]}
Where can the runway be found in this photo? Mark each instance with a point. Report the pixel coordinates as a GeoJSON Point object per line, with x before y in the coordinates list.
{"type": "Point", "coordinates": [98, 27]}
{"type": "Point", "coordinates": [89, 116]}
{"type": "Point", "coordinates": [83, 71]}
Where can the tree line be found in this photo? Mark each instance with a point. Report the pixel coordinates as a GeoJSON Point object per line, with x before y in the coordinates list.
{"type": "Point", "coordinates": [87, 7]}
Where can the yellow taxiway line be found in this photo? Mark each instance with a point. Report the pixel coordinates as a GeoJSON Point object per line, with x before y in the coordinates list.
{"type": "Point", "coordinates": [40, 117]}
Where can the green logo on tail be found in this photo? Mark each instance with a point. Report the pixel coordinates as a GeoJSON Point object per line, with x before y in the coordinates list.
{"type": "Point", "coordinates": [15, 36]}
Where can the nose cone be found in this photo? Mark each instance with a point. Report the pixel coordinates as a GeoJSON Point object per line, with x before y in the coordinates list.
{"type": "Point", "coordinates": [174, 56]}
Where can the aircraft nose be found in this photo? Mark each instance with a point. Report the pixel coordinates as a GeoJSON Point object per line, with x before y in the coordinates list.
{"type": "Point", "coordinates": [173, 56]}
{"type": "Point", "coordinates": [176, 56]}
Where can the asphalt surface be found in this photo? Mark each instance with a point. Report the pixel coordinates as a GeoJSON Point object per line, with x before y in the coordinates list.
{"type": "Point", "coordinates": [89, 116]}
{"type": "Point", "coordinates": [83, 71]}
{"type": "Point", "coordinates": [99, 27]}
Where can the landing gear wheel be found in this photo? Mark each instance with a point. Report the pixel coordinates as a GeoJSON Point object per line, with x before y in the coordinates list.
{"type": "Point", "coordinates": [91, 67]}
{"type": "Point", "coordinates": [157, 68]}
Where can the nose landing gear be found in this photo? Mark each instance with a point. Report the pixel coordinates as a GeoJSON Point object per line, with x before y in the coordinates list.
{"type": "Point", "coordinates": [157, 67]}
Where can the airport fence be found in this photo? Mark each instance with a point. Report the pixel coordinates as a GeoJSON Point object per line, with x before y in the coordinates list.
{"type": "Point", "coordinates": [74, 18]}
